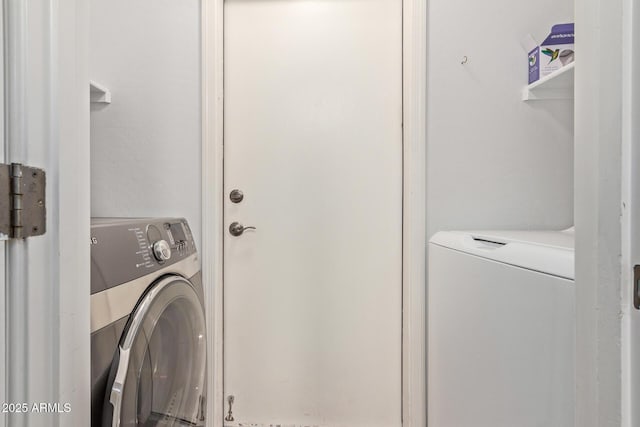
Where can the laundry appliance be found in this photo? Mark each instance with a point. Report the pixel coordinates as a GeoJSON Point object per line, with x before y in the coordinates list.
{"type": "Point", "coordinates": [501, 319]}
{"type": "Point", "coordinates": [148, 335]}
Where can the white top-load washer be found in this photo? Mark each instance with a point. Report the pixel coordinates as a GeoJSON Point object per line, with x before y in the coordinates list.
{"type": "Point", "coordinates": [501, 320]}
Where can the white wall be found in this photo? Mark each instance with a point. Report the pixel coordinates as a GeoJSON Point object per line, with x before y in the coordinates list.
{"type": "Point", "coordinates": [494, 161]}
{"type": "Point", "coordinates": [146, 145]}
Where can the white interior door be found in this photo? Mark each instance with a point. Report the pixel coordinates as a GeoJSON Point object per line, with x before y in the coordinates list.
{"type": "Point", "coordinates": [313, 139]}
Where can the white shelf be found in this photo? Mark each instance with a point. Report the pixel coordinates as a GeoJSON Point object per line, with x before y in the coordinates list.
{"type": "Point", "coordinates": [557, 85]}
{"type": "Point", "coordinates": [99, 93]}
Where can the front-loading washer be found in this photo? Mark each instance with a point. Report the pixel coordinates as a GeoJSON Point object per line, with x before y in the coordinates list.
{"type": "Point", "coordinates": [148, 329]}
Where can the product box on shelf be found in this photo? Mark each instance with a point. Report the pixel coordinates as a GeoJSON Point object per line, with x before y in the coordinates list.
{"type": "Point", "coordinates": [556, 51]}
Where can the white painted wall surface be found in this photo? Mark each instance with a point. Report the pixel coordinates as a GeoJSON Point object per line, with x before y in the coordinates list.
{"type": "Point", "coordinates": [146, 144]}
{"type": "Point", "coordinates": [494, 161]}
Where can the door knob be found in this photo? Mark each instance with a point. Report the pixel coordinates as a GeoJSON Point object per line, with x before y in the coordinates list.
{"type": "Point", "coordinates": [236, 229]}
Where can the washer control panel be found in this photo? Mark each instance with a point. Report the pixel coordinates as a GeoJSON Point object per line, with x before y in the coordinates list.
{"type": "Point", "coordinates": [124, 249]}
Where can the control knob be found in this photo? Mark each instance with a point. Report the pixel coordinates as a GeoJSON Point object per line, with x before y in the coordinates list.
{"type": "Point", "coordinates": [162, 250]}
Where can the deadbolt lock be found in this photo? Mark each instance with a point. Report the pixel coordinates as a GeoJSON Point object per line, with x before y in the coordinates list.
{"type": "Point", "coordinates": [236, 196]}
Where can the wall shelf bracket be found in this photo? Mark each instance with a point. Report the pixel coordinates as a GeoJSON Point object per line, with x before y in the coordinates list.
{"type": "Point", "coordinates": [99, 93]}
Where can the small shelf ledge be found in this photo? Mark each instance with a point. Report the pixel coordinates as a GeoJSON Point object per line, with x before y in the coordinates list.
{"type": "Point", "coordinates": [557, 85]}
{"type": "Point", "coordinates": [99, 93]}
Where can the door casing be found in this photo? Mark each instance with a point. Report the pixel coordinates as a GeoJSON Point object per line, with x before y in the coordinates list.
{"type": "Point", "coordinates": [630, 217]}
{"type": "Point", "coordinates": [414, 192]}
{"type": "Point", "coordinates": [44, 333]}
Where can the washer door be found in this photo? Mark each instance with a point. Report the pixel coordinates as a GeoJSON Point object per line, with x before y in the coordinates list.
{"type": "Point", "coordinates": [158, 376]}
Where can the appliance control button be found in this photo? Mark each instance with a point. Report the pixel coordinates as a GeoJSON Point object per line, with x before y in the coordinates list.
{"type": "Point", "coordinates": [161, 250]}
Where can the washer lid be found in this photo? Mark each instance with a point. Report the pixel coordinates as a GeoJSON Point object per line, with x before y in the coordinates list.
{"type": "Point", "coordinates": [549, 252]}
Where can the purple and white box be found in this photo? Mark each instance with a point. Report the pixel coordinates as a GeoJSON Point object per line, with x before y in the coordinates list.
{"type": "Point", "coordinates": [556, 51]}
{"type": "Point", "coordinates": [534, 65]}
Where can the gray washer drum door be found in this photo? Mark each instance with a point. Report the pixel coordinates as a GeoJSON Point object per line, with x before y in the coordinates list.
{"type": "Point", "coordinates": [158, 376]}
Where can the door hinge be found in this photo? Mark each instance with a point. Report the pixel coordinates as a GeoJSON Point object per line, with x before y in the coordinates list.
{"type": "Point", "coordinates": [23, 210]}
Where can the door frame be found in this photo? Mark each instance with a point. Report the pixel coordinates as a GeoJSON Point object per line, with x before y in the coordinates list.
{"type": "Point", "coordinates": [414, 82]}
{"type": "Point", "coordinates": [606, 213]}
{"type": "Point", "coordinates": [45, 342]}
{"type": "Point", "coordinates": [630, 215]}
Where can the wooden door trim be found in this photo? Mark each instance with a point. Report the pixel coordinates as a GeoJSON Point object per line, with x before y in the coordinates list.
{"type": "Point", "coordinates": [414, 199]}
